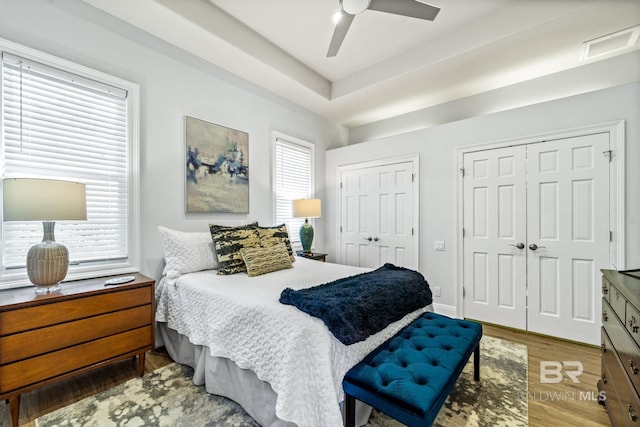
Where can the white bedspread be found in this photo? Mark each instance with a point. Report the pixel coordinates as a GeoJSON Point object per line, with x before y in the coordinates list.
{"type": "Point", "coordinates": [240, 318]}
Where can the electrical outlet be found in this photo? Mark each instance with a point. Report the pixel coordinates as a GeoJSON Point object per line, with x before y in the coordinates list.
{"type": "Point", "coordinates": [438, 245]}
{"type": "Point", "coordinates": [436, 291]}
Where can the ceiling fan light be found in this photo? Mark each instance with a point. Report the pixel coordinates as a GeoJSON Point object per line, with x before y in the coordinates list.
{"type": "Point", "coordinates": [355, 7]}
{"type": "Point", "coordinates": [337, 17]}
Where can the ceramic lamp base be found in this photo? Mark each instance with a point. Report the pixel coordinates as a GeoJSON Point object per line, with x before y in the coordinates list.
{"type": "Point", "coordinates": [47, 262]}
{"type": "Point", "coordinates": [306, 236]}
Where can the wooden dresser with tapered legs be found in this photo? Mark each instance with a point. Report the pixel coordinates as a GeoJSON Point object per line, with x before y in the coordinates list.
{"type": "Point", "coordinates": [47, 338]}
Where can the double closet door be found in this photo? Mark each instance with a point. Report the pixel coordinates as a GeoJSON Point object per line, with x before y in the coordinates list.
{"type": "Point", "coordinates": [377, 215]}
{"type": "Point", "coordinates": [536, 234]}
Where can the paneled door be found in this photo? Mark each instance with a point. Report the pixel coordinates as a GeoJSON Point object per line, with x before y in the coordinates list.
{"type": "Point", "coordinates": [536, 234]}
{"type": "Point", "coordinates": [495, 228]}
{"type": "Point", "coordinates": [567, 235]}
{"type": "Point", "coordinates": [376, 216]}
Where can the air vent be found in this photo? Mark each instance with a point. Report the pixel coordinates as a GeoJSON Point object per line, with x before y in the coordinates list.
{"type": "Point", "coordinates": [610, 43]}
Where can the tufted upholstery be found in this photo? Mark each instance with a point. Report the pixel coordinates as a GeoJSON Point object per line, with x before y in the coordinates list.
{"type": "Point", "coordinates": [409, 376]}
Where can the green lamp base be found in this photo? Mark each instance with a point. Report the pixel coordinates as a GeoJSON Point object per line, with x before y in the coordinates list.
{"type": "Point", "coordinates": [306, 235]}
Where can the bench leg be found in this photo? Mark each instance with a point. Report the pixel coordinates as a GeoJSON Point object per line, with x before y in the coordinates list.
{"type": "Point", "coordinates": [349, 410]}
{"type": "Point", "coordinates": [476, 363]}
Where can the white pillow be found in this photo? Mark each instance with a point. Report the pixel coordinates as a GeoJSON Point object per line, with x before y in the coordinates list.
{"type": "Point", "coordinates": [186, 252]}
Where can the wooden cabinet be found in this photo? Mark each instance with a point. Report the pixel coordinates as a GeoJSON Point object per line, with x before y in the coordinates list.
{"type": "Point", "coordinates": [621, 347]}
{"type": "Point", "coordinates": [46, 338]}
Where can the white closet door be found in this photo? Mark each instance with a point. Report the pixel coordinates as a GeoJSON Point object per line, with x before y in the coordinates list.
{"type": "Point", "coordinates": [568, 222]}
{"type": "Point", "coordinates": [392, 215]}
{"type": "Point", "coordinates": [551, 199]}
{"type": "Point", "coordinates": [495, 236]}
{"type": "Point", "coordinates": [356, 195]}
{"type": "Point", "coordinates": [376, 216]}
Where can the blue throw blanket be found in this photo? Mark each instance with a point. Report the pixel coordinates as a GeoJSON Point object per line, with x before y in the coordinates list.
{"type": "Point", "coordinates": [358, 306]}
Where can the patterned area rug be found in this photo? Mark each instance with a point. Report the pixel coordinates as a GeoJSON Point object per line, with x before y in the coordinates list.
{"type": "Point", "coordinates": [167, 397]}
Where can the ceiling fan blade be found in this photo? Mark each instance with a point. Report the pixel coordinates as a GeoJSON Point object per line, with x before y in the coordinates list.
{"type": "Point", "coordinates": [412, 8]}
{"type": "Point", "coordinates": [339, 33]}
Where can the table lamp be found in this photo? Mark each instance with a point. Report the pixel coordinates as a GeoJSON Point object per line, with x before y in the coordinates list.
{"type": "Point", "coordinates": [46, 200]}
{"type": "Point", "coordinates": [306, 208]}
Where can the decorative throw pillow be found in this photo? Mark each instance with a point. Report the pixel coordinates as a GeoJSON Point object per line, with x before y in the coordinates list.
{"type": "Point", "coordinates": [270, 236]}
{"type": "Point", "coordinates": [186, 252]}
{"type": "Point", "coordinates": [261, 260]}
{"type": "Point", "coordinates": [228, 242]}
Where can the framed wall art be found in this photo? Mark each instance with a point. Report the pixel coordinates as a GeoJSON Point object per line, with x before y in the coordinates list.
{"type": "Point", "coordinates": [217, 168]}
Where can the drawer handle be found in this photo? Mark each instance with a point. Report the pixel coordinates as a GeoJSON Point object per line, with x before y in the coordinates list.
{"type": "Point", "coordinates": [605, 289]}
{"type": "Point", "coordinates": [634, 367]}
{"type": "Point", "coordinates": [633, 324]}
{"type": "Point", "coordinates": [632, 414]}
{"type": "Point", "coordinates": [605, 316]}
{"type": "Point", "coordinates": [603, 347]}
{"type": "Point", "coordinates": [604, 379]}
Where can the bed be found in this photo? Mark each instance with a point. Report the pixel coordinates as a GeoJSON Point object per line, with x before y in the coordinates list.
{"type": "Point", "coordinates": [283, 366]}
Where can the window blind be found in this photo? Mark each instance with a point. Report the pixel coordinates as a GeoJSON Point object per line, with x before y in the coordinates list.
{"type": "Point", "coordinates": [59, 125]}
{"type": "Point", "coordinates": [293, 172]}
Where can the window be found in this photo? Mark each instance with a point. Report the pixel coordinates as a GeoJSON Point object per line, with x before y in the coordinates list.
{"type": "Point", "coordinates": [63, 121]}
{"type": "Point", "coordinates": [293, 179]}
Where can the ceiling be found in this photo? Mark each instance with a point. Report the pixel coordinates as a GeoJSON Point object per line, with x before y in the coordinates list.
{"type": "Point", "coordinates": [388, 64]}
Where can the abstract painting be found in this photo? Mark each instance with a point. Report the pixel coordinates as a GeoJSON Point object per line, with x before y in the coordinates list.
{"type": "Point", "coordinates": [217, 168]}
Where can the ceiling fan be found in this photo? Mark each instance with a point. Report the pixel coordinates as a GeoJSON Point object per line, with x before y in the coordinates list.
{"type": "Point", "coordinates": [351, 8]}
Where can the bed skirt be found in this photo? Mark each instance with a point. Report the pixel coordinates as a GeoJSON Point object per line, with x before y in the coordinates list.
{"type": "Point", "coordinates": [223, 377]}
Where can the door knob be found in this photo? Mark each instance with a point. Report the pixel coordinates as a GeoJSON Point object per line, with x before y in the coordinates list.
{"type": "Point", "coordinates": [375, 239]}
{"type": "Point", "coordinates": [533, 247]}
{"type": "Point", "coordinates": [368, 238]}
{"type": "Point", "coordinates": [518, 245]}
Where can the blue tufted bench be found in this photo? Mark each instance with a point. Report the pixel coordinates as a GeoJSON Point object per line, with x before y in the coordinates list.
{"type": "Point", "coordinates": [409, 376]}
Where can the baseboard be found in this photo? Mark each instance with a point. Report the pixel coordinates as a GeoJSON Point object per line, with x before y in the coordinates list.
{"type": "Point", "coordinates": [447, 310]}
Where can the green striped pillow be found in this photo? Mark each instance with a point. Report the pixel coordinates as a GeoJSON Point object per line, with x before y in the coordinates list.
{"type": "Point", "coordinates": [261, 260]}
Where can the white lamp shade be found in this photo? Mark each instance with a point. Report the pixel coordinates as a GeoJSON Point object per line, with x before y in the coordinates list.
{"type": "Point", "coordinates": [307, 208]}
{"type": "Point", "coordinates": [29, 199]}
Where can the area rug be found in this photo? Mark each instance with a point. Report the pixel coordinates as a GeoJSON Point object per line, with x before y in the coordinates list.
{"type": "Point", "coordinates": [167, 397]}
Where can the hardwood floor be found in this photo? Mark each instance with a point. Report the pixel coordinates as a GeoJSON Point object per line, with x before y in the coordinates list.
{"type": "Point", "coordinates": [565, 403]}
{"type": "Point", "coordinates": [562, 404]}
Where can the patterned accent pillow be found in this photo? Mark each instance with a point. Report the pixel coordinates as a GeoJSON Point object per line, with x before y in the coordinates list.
{"type": "Point", "coordinates": [261, 260]}
{"type": "Point", "coordinates": [271, 236]}
{"type": "Point", "coordinates": [228, 242]}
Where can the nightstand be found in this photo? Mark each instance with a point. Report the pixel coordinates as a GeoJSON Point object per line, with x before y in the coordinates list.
{"type": "Point", "coordinates": [313, 255]}
{"type": "Point", "coordinates": [46, 338]}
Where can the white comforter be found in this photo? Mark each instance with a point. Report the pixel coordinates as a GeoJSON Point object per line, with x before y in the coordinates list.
{"type": "Point", "coordinates": [240, 318]}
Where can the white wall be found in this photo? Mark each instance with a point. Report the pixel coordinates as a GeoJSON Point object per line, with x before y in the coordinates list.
{"type": "Point", "coordinates": [437, 145]}
{"type": "Point", "coordinates": [605, 73]}
{"type": "Point", "coordinates": [172, 84]}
